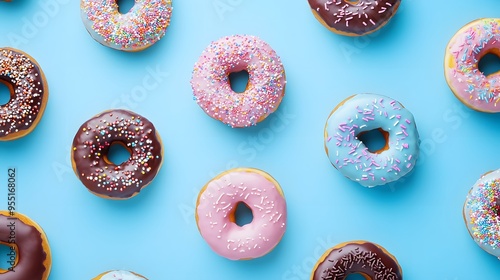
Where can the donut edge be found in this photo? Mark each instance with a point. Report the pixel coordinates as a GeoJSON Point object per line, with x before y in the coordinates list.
{"type": "Point", "coordinates": [47, 263]}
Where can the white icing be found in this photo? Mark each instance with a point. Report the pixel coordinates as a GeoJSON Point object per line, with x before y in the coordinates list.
{"type": "Point", "coordinates": [121, 275]}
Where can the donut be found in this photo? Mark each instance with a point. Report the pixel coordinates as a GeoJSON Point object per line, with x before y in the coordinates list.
{"type": "Point", "coordinates": [29, 252]}
{"type": "Point", "coordinates": [357, 257]}
{"type": "Point", "coordinates": [89, 155]}
{"type": "Point", "coordinates": [359, 114]}
{"type": "Point", "coordinates": [462, 56]}
{"type": "Point", "coordinates": [28, 94]}
{"type": "Point", "coordinates": [265, 88]}
{"type": "Point", "coordinates": [215, 213]}
{"type": "Point", "coordinates": [481, 210]}
{"type": "Point", "coordinates": [119, 275]}
{"type": "Point", "coordinates": [354, 18]}
{"type": "Point", "coordinates": [138, 29]}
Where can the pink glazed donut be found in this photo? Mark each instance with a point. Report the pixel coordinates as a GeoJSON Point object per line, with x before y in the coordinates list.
{"type": "Point", "coordinates": [463, 53]}
{"type": "Point", "coordinates": [265, 88]}
{"type": "Point", "coordinates": [217, 204]}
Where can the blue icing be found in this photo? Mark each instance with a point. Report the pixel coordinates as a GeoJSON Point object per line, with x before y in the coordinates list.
{"type": "Point", "coordinates": [365, 112]}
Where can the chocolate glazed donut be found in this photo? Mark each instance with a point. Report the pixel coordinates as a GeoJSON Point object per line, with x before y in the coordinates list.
{"type": "Point", "coordinates": [368, 259]}
{"type": "Point", "coordinates": [354, 18]}
{"type": "Point", "coordinates": [91, 145]}
{"type": "Point", "coordinates": [33, 259]}
{"type": "Point", "coordinates": [28, 94]}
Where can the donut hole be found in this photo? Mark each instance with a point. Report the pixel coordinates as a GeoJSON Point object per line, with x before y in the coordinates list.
{"type": "Point", "coordinates": [124, 6]}
{"type": "Point", "coordinates": [352, 2]}
{"type": "Point", "coordinates": [5, 94]}
{"type": "Point", "coordinates": [242, 214]}
{"type": "Point", "coordinates": [239, 81]}
{"type": "Point", "coordinates": [117, 154]}
{"type": "Point", "coordinates": [357, 276]}
{"type": "Point", "coordinates": [8, 256]}
{"type": "Point", "coordinates": [376, 140]}
{"type": "Point", "coordinates": [489, 64]}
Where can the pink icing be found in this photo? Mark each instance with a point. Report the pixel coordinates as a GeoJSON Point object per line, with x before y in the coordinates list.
{"type": "Point", "coordinates": [461, 64]}
{"type": "Point", "coordinates": [219, 200]}
{"type": "Point", "coordinates": [212, 90]}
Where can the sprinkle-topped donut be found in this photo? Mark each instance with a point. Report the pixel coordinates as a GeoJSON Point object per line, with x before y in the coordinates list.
{"type": "Point", "coordinates": [29, 254]}
{"type": "Point", "coordinates": [463, 53]}
{"type": "Point", "coordinates": [28, 94]}
{"type": "Point", "coordinates": [354, 18]}
{"type": "Point", "coordinates": [216, 206]}
{"type": "Point", "coordinates": [362, 113]}
{"type": "Point", "coordinates": [481, 211]}
{"type": "Point", "coordinates": [119, 275]}
{"type": "Point", "coordinates": [357, 257]}
{"type": "Point", "coordinates": [265, 88]}
{"type": "Point", "coordinates": [90, 149]}
{"type": "Point", "coordinates": [141, 27]}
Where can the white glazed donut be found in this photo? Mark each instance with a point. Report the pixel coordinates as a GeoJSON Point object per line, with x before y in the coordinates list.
{"type": "Point", "coordinates": [481, 209]}
{"type": "Point", "coordinates": [141, 27]}
{"type": "Point", "coordinates": [119, 275]}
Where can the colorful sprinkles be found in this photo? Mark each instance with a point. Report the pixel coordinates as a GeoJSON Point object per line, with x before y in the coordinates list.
{"type": "Point", "coordinates": [464, 51]}
{"type": "Point", "coordinates": [92, 143]}
{"type": "Point", "coordinates": [141, 27]}
{"type": "Point", "coordinates": [357, 17]}
{"type": "Point", "coordinates": [481, 211]}
{"type": "Point", "coordinates": [212, 89]}
{"type": "Point", "coordinates": [365, 112]}
{"type": "Point", "coordinates": [27, 100]}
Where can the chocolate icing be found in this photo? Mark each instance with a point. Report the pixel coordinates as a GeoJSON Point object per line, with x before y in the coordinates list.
{"type": "Point", "coordinates": [91, 145]}
{"type": "Point", "coordinates": [24, 79]}
{"type": "Point", "coordinates": [366, 258]}
{"type": "Point", "coordinates": [29, 249]}
{"type": "Point", "coordinates": [355, 17]}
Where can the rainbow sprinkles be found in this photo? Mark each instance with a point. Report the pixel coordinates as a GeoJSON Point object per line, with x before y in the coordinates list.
{"type": "Point", "coordinates": [481, 212]}
{"type": "Point", "coordinates": [141, 27]}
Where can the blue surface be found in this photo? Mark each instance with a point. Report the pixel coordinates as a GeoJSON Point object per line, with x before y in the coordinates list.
{"type": "Point", "coordinates": [419, 219]}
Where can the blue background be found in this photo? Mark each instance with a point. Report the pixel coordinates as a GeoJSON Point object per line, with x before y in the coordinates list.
{"type": "Point", "coordinates": [418, 219]}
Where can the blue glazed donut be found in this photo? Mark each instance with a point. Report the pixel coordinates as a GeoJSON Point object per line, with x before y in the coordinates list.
{"type": "Point", "coordinates": [359, 114]}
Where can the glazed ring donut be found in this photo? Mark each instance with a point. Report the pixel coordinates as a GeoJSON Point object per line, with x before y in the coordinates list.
{"type": "Point", "coordinates": [140, 28]}
{"type": "Point", "coordinates": [354, 18]}
{"type": "Point", "coordinates": [362, 113]}
{"type": "Point", "coordinates": [463, 53]}
{"type": "Point", "coordinates": [216, 206]}
{"type": "Point", "coordinates": [32, 252]}
{"type": "Point", "coordinates": [481, 209]}
{"type": "Point", "coordinates": [357, 257]}
{"type": "Point", "coordinates": [265, 88]}
{"type": "Point", "coordinates": [28, 94]}
{"type": "Point", "coordinates": [119, 275]}
{"type": "Point", "coordinates": [91, 145]}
